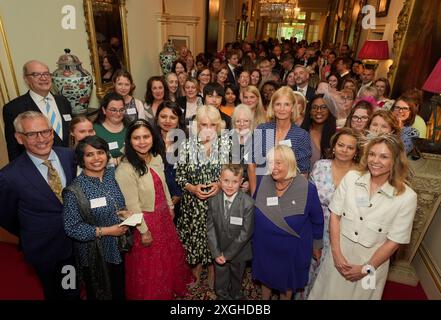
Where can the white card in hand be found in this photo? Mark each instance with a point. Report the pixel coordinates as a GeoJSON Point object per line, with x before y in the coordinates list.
{"type": "Point", "coordinates": [133, 220]}
{"type": "Point", "coordinates": [98, 202]}
{"type": "Point", "coordinates": [113, 145]}
{"type": "Point", "coordinates": [236, 221]}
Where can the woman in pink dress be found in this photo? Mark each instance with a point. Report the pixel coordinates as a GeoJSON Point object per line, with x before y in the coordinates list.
{"type": "Point", "coordinates": [156, 268]}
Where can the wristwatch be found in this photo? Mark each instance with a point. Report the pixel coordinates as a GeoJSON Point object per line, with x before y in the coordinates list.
{"type": "Point", "coordinates": [368, 268]}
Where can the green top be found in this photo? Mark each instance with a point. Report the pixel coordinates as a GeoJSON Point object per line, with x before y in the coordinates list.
{"type": "Point", "coordinates": [115, 140]}
{"type": "Point", "coordinates": [420, 125]}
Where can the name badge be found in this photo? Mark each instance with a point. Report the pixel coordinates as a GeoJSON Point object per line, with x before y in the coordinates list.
{"type": "Point", "coordinates": [236, 221]}
{"type": "Point", "coordinates": [286, 143]}
{"type": "Point", "coordinates": [98, 202]}
{"type": "Point", "coordinates": [113, 145]}
{"type": "Point", "coordinates": [67, 117]}
{"type": "Point", "coordinates": [131, 111]}
{"type": "Point", "coordinates": [272, 201]}
{"type": "Point", "coordinates": [362, 202]}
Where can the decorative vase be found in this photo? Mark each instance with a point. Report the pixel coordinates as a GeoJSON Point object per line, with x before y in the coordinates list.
{"type": "Point", "coordinates": [73, 82]}
{"type": "Point", "coordinates": [167, 57]}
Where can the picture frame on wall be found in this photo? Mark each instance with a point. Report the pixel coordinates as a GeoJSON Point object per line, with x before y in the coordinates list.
{"type": "Point", "coordinates": [382, 8]}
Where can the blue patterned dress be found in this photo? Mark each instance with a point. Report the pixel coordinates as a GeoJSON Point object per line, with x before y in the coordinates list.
{"type": "Point", "coordinates": [105, 215]}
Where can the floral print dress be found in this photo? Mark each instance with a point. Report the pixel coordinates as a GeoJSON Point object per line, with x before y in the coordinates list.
{"type": "Point", "coordinates": [321, 177]}
{"type": "Point", "coordinates": [195, 167]}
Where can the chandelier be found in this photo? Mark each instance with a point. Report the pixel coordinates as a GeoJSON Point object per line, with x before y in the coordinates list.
{"type": "Point", "coordinates": [276, 10]}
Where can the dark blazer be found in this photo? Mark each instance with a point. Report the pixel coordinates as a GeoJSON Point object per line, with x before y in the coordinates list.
{"type": "Point", "coordinates": [230, 239]}
{"type": "Point", "coordinates": [31, 210]}
{"type": "Point", "coordinates": [25, 103]}
{"type": "Point", "coordinates": [232, 77]}
{"type": "Point", "coordinates": [341, 79]}
{"type": "Point", "coordinates": [310, 93]}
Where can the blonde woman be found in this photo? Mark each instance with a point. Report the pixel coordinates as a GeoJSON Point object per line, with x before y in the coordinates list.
{"type": "Point", "coordinates": [251, 97]}
{"type": "Point", "coordinates": [281, 129]}
{"type": "Point", "coordinates": [372, 214]}
{"type": "Point", "coordinates": [288, 226]}
{"type": "Point", "coordinates": [200, 161]}
{"type": "Point", "coordinates": [301, 107]}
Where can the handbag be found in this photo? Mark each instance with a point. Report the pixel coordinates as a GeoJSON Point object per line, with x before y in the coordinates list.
{"type": "Point", "coordinates": [125, 241]}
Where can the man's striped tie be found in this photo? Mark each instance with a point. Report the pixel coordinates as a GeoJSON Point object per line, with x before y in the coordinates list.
{"type": "Point", "coordinates": [52, 116]}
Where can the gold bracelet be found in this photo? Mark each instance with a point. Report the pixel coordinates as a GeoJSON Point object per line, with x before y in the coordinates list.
{"type": "Point", "coordinates": [100, 232]}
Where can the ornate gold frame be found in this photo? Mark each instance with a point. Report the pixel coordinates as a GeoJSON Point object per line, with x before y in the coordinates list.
{"type": "Point", "coordinates": [102, 89]}
{"type": "Point", "coordinates": [399, 37]}
{"type": "Point", "coordinates": [10, 64]}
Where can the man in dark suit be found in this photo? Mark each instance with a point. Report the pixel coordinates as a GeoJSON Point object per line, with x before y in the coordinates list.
{"type": "Point", "coordinates": [30, 196]}
{"type": "Point", "coordinates": [230, 223]}
{"type": "Point", "coordinates": [57, 108]}
{"type": "Point", "coordinates": [343, 66]}
{"type": "Point", "coordinates": [287, 62]}
{"type": "Point", "coordinates": [233, 64]}
{"type": "Point", "coordinates": [301, 76]}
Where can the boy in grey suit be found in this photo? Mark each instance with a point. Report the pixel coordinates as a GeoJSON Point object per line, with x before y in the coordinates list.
{"type": "Point", "coordinates": [230, 222]}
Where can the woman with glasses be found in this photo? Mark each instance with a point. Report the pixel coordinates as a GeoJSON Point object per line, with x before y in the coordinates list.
{"type": "Point", "coordinates": [416, 96]}
{"type": "Point", "coordinates": [243, 126]}
{"type": "Point", "coordinates": [96, 232]}
{"type": "Point", "coordinates": [372, 214]}
{"type": "Point", "coordinates": [359, 117]}
{"type": "Point", "coordinates": [321, 125]}
{"type": "Point", "coordinates": [405, 111]}
{"type": "Point", "coordinates": [111, 124]}
{"type": "Point", "coordinates": [156, 93]}
{"type": "Point", "coordinates": [344, 107]}
{"type": "Point", "coordinates": [204, 77]}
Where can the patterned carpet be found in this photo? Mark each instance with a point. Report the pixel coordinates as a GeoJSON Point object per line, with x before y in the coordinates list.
{"type": "Point", "coordinates": [250, 288]}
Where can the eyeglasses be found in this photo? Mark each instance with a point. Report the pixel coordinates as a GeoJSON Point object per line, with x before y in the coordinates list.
{"type": "Point", "coordinates": [39, 74]}
{"type": "Point", "coordinates": [34, 134]}
{"type": "Point", "coordinates": [347, 98]}
{"type": "Point", "coordinates": [363, 118]}
{"type": "Point", "coordinates": [117, 110]}
{"type": "Point", "coordinates": [204, 74]}
{"type": "Point", "coordinates": [402, 109]}
{"type": "Point", "coordinates": [315, 107]}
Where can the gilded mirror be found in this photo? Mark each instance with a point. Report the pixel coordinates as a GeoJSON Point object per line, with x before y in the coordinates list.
{"type": "Point", "coordinates": [107, 29]}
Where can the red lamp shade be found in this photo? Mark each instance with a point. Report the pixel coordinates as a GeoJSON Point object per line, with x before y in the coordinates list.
{"type": "Point", "coordinates": [433, 83]}
{"type": "Point", "coordinates": [375, 50]}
